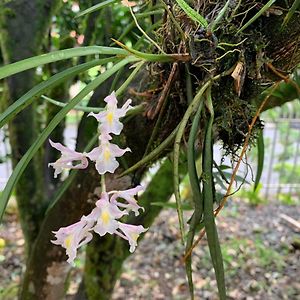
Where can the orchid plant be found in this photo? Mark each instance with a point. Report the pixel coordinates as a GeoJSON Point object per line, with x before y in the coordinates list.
{"type": "Point", "coordinates": [105, 217]}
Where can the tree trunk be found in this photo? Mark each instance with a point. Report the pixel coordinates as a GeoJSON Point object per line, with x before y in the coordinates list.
{"type": "Point", "coordinates": [23, 27]}
{"type": "Point", "coordinates": [59, 93]}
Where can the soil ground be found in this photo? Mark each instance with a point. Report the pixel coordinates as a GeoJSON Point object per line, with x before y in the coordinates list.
{"type": "Point", "coordinates": [260, 250]}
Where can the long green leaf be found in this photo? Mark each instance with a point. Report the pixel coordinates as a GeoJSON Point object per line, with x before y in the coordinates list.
{"type": "Point", "coordinates": [153, 154]}
{"type": "Point", "coordinates": [95, 8]}
{"type": "Point", "coordinates": [133, 111]}
{"type": "Point", "coordinates": [194, 15]}
{"type": "Point", "coordinates": [118, 92]}
{"type": "Point", "coordinates": [39, 89]}
{"type": "Point", "coordinates": [197, 197]}
{"type": "Point", "coordinates": [190, 110]}
{"type": "Point", "coordinates": [208, 196]}
{"type": "Point", "coordinates": [19, 169]}
{"type": "Point", "coordinates": [261, 11]}
{"type": "Point", "coordinates": [291, 12]}
{"type": "Point", "coordinates": [220, 16]}
{"type": "Point", "coordinates": [260, 158]}
{"type": "Point", "coordinates": [36, 61]}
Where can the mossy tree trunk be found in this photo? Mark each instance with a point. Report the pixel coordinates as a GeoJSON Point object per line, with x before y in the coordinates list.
{"type": "Point", "coordinates": [59, 93]}
{"type": "Point", "coordinates": [23, 28]}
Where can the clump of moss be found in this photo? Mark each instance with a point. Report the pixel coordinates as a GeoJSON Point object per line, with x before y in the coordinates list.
{"type": "Point", "coordinates": [233, 122]}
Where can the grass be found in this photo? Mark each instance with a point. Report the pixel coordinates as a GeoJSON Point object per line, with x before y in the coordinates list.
{"type": "Point", "coordinates": [246, 254]}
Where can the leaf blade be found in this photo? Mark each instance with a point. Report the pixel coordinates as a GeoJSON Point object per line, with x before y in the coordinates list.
{"type": "Point", "coordinates": [39, 89]}
{"type": "Point", "coordinates": [32, 62]}
{"type": "Point", "coordinates": [260, 158]}
{"type": "Point", "coordinates": [95, 8]}
{"type": "Point", "coordinates": [208, 196]}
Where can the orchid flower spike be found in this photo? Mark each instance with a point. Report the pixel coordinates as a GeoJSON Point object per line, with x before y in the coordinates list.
{"type": "Point", "coordinates": [105, 214]}
{"type": "Point", "coordinates": [110, 118]}
{"type": "Point", "coordinates": [74, 236]}
{"type": "Point", "coordinates": [70, 159]}
{"type": "Point", "coordinates": [105, 155]}
{"type": "Point", "coordinates": [128, 195]}
{"type": "Point", "coordinates": [131, 233]}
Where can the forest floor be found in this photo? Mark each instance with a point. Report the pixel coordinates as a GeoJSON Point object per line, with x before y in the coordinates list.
{"type": "Point", "coordinates": [260, 250]}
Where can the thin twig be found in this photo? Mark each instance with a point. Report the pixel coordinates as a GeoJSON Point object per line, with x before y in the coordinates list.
{"type": "Point", "coordinates": [144, 33]}
{"type": "Point", "coordinates": [164, 93]}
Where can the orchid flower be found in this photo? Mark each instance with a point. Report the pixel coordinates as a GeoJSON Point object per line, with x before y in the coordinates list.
{"type": "Point", "coordinates": [105, 155]}
{"type": "Point", "coordinates": [110, 118]}
{"type": "Point", "coordinates": [68, 158]}
{"type": "Point", "coordinates": [128, 195]}
{"type": "Point", "coordinates": [131, 233]}
{"type": "Point", "coordinates": [105, 214]}
{"type": "Point", "coordinates": [74, 236]}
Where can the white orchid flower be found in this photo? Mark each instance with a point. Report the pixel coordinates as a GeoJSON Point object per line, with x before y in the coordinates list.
{"type": "Point", "coordinates": [105, 155]}
{"type": "Point", "coordinates": [105, 214]}
{"type": "Point", "coordinates": [74, 236]}
{"type": "Point", "coordinates": [131, 233]}
{"type": "Point", "coordinates": [70, 159]}
{"type": "Point", "coordinates": [110, 118]}
{"type": "Point", "coordinates": [128, 195]}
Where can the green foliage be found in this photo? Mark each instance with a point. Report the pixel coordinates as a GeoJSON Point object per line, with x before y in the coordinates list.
{"type": "Point", "coordinates": [208, 198]}
{"type": "Point", "coordinates": [252, 196]}
{"type": "Point", "coordinates": [288, 199]}
{"type": "Point", "coordinates": [193, 14]}
{"type": "Point", "coordinates": [292, 10]}
{"type": "Point", "coordinates": [260, 158]}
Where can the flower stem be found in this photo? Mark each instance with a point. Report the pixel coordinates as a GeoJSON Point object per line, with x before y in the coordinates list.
{"type": "Point", "coordinates": [103, 186]}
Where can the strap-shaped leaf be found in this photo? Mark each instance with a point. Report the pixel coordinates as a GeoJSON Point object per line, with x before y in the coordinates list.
{"type": "Point", "coordinates": [194, 15]}
{"type": "Point", "coordinates": [32, 62]}
{"type": "Point", "coordinates": [153, 154]}
{"type": "Point", "coordinates": [208, 198]}
{"type": "Point", "coordinates": [197, 196]}
{"type": "Point", "coordinates": [291, 12]}
{"type": "Point", "coordinates": [260, 158]}
{"type": "Point", "coordinates": [95, 8]}
{"type": "Point", "coordinates": [257, 15]}
{"type": "Point", "coordinates": [19, 169]}
{"type": "Point", "coordinates": [39, 89]}
{"type": "Point", "coordinates": [190, 110]}
{"type": "Point", "coordinates": [220, 16]}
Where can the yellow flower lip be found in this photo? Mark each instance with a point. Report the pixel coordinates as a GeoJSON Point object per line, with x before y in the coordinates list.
{"type": "Point", "coordinates": [134, 236]}
{"type": "Point", "coordinates": [105, 217]}
{"type": "Point", "coordinates": [110, 117]}
{"type": "Point", "coordinates": [68, 241]}
{"type": "Point", "coordinates": [106, 154]}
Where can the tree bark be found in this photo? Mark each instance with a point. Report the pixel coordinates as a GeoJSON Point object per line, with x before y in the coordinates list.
{"type": "Point", "coordinates": [23, 27]}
